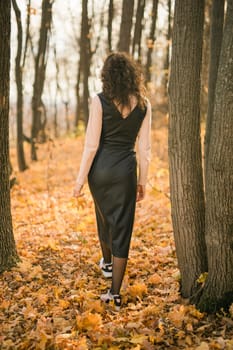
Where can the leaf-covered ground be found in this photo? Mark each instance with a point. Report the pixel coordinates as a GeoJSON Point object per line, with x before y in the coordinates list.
{"type": "Point", "coordinates": [51, 299]}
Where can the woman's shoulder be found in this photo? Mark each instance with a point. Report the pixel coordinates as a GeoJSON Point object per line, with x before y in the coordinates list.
{"type": "Point", "coordinates": [103, 99]}
{"type": "Point", "coordinates": [144, 105]}
{"type": "Point", "coordinates": [147, 105]}
{"type": "Point", "coordinates": [147, 102]}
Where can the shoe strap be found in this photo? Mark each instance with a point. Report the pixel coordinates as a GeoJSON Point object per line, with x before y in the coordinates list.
{"type": "Point", "coordinates": [117, 299]}
{"type": "Point", "coordinates": [107, 268]}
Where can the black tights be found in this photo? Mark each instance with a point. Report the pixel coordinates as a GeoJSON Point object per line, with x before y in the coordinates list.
{"type": "Point", "coordinates": [118, 267]}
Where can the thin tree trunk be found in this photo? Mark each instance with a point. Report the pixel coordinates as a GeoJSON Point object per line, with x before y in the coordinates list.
{"type": "Point", "coordinates": [38, 109]}
{"type": "Point", "coordinates": [151, 41]}
{"type": "Point", "coordinates": [110, 19]}
{"type": "Point", "coordinates": [217, 21]}
{"type": "Point", "coordinates": [136, 48]}
{"type": "Point", "coordinates": [126, 25]}
{"type": "Point", "coordinates": [84, 68]}
{"type": "Point", "coordinates": [19, 83]}
{"type": "Point", "coordinates": [218, 288]}
{"type": "Point", "coordinates": [27, 32]}
{"type": "Point", "coordinates": [78, 96]}
{"type": "Point", "coordinates": [66, 103]}
{"type": "Point", "coordinates": [8, 253]}
{"type": "Point", "coordinates": [185, 161]}
{"type": "Point", "coordinates": [58, 89]}
{"type": "Point", "coordinates": [86, 52]}
{"type": "Point", "coordinates": [167, 56]}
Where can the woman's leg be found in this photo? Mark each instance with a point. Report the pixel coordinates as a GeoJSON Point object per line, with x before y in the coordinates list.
{"type": "Point", "coordinates": [103, 228]}
{"type": "Point", "coordinates": [106, 251]}
{"type": "Point", "coordinates": [118, 271]}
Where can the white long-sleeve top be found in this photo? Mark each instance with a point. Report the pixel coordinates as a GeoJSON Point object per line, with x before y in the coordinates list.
{"type": "Point", "coordinates": [92, 140]}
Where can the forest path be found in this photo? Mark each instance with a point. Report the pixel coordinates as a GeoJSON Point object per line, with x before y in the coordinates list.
{"type": "Point", "coordinates": [51, 299]}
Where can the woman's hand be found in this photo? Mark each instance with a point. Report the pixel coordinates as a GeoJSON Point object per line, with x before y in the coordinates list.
{"type": "Point", "coordinates": [78, 190]}
{"type": "Point", "coordinates": [141, 191]}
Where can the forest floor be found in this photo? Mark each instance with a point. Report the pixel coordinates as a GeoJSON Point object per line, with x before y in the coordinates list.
{"type": "Point", "coordinates": [51, 299]}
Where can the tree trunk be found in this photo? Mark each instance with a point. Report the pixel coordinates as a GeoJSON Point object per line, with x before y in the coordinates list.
{"type": "Point", "coordinates": [110, 19]}
{"type": "Point", "coordinates": [38, 110]}
{"type": "Point", "coordinates": [84, 67]}
{"type": "Point", "coordinates": [8, 254]}
{"type": "Point", "coordinates": [27, 36]}
{"type": "Point", "coordinates": [19, 83]}
{"type": "Point", "coordinates": [86, 52]}
{"type": "Point", "coordinates": [218, 289]}
{"type": "Point", "coordinates": [186, 182]}
{"type": "Point", "coordinates": [151, 41]}
{"type": "Point", "coordinates": [126, 25]}
{"type": "Point", "coordinates": [205, 60]}
{"type": "Point", "coordinates": [138, 30]}
{"type": "Point", "coordinates": [78, 96]}
{"type": "Point", "coordinates": [217, 20]}
{"type": "Point", "coordinates": [167, 55]}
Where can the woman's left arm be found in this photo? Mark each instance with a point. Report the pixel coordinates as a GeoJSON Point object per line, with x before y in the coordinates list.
{"type": "Point", "coordinates": [144, 150]}
{"type": "Point", "coordinates": [91, 145]}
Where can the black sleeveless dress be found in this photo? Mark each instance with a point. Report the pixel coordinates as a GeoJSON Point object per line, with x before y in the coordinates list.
{"type": "Point", "coordinates": [113, 177]}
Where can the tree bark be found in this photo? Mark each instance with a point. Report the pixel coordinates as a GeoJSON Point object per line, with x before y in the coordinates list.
{"type": "Point", "coordinates": [205, 59]}
{"type": "Point", "coordinates": [78, 115]}
{"type": "Point", "coordinates": [218, 289]}
{"type": "Point", "coordinates": [110, 19]}
{"type": "Point", "coordinates": [151, 41]}
{"type": "Point", "coordinates": [27, 35]}
{"type": "Point", "coordinates": [217, 21]}
{"type": "Point", "coordinates": [167, 55]}
{"type": "Point", "coordinates": [186, 182]}
{"type": "Point", "coordinates": [126, 25]}
{"type": "Point", "coordinates": [86, 52]}
{"type": "Point", "coordinates": [19, 83]}
{"type": "Point", "coordinates": [38, 108]}
{"type": "Point", "coordinates": [8, 254]}
{"type": "Point", "coordinates": [84, 67]}
{"type": "Point", "coordinates": [138, 30]}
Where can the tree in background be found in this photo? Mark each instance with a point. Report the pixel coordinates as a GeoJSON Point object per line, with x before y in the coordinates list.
{"type": "Point", "coordinates": [38, 108]}
{"type": "Point", "coordinates": [151, 41]}
{"type": "Point", "coordinates": [19, 83]}
{"type": "Point", "coordinates": [8, 254]}
{"type": "Point", "coordinates": [167, 52]}
{"type": "Point", "coordinates": [84, 67]}
{"type": "Point", "coordinates": [89, 45]}
{"type": "Point", "coordinates": [126, 25]}
{"type": "Point", "coordinates": [136, 47]}
{"type": "Point", "coordinates": [185, 159]}
{"type": "Point", "coordinates": [110, 19]}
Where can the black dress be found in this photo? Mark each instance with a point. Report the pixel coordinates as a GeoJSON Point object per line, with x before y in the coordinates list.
{"type": "Point", "coordinates": [113, 177]}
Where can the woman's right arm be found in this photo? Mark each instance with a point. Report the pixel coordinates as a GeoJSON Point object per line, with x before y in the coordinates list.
{"type": "Point", "coordinates": [91, 145]}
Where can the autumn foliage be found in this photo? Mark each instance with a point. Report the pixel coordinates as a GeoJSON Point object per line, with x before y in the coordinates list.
{"type": "Point", "coordinates": [51, 299]}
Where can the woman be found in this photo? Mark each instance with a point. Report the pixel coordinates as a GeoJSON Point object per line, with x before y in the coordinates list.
{"type": "Point", "coordinates": [118, 116]}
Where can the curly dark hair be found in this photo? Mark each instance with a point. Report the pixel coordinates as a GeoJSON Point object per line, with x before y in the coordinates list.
{"type": "Point", "coordinates": [122, 77]}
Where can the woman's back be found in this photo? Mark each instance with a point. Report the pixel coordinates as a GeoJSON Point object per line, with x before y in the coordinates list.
{"type": "Point", "coordinates": [118, 131]}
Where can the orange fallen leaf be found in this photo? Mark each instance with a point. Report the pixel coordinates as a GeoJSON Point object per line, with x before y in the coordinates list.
{"type": "Point", "coordinates": [177, 316]}
{"type": "Point", "coordinates": [88, 322]}
{"type": "Point", "coordinates": [155, 279]}
{"type": "Point", "coordinates": [138, 290]}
